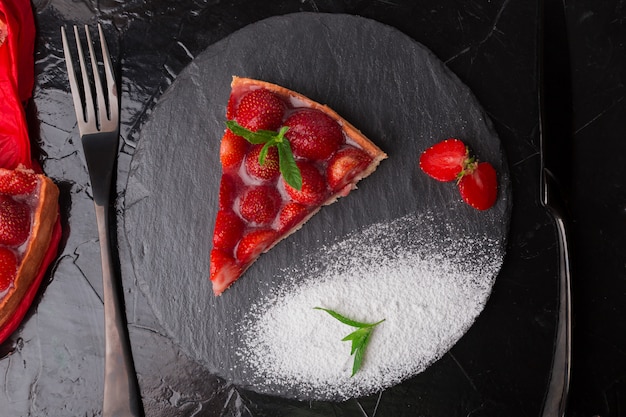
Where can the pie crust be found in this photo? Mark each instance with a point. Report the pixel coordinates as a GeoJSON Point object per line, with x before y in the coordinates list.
{"type": "Point", "coordinates": [44, 220]}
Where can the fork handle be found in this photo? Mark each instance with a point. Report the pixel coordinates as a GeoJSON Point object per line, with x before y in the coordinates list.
{"type": "Point", "coordinates": [121, 389]}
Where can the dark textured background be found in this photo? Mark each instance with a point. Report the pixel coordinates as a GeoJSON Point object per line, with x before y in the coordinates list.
{"type": "Point", "coordinates": [53, 363]}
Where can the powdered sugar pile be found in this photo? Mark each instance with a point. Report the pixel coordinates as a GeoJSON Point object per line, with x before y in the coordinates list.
{"type": "Point", "coordinates": [429, 292]}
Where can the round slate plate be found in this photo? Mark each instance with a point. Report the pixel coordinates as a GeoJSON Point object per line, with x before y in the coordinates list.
{"type": "Point", "coordinates": [395, 91]}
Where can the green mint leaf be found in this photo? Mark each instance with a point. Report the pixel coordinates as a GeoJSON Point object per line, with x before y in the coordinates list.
{"type": "Point", "coordinates": [346, 320]}
{"type": "Point", "coordinates": [264, 150]}
{"type": "Point", "coordinates": [287, 163]}
{"type": "Point", "coordinates": [358, 356]}
{"type": "Point", "coordinates": [359, 338]}
{"type": "Point", "coordinates": [257, 138]}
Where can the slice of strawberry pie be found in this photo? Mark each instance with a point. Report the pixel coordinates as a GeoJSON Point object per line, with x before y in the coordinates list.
{"type": "Point", "coordinates": [29, 235]}
{"type": "Point", "coordinates": [283, 157]}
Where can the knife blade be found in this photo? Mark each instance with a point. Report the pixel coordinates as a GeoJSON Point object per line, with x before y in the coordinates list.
{"type": "Point", "coordinates": [555, 134]}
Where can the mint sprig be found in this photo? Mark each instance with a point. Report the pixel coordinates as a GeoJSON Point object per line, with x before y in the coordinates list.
{"type": "Point", "coordinates": [286, 161]}
{"type": "Point", "coordinates": [360, 338]}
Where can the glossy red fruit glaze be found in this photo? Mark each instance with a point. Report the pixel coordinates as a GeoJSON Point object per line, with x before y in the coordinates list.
{"type": "Point", "coordinates": [313, 189]}
{"type": "Point", "coordinates": [232, 149]}
{"type": "Point", "coordinates": [254, 243]}
{"type": "Point", "coordinates": [17, 182]}
{"type": "Point", "coordinates": [229, 189]}
{"type": "Point", "coordinates": [14, 221]}
{"type": "Point", "coordinates": [313, 134]}
{"type": "Point", "coordinates": [223, 270]}
{"type": "Point", "coordinates": [445, 160]}
{"type": "Point", "coordinates": [479, 186]}
{"type": "Point", "coordinates": [231, 107]}
{"type": "Point", "coordinates": [228, 230]}
{"type": "Point", "coordinates": [290, 215]}
{"type": "Point", "coordinates": [260, 204]}
{"type": "Point", "coordinates": [344, 166]}
{"type": "Point", "coordinates": [269, 170]}
{"type": "Point", "coordinates": [260, 109]}
{"type": "Point", "coordinates": [8, 268]}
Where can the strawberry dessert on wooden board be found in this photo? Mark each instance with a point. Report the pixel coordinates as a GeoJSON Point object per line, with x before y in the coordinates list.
{"type": "Point", "coordinates": [403, 243]}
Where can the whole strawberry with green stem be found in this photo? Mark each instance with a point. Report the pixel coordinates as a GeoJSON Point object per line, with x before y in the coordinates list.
{"type": "Point", "coordinates": [450, 160]}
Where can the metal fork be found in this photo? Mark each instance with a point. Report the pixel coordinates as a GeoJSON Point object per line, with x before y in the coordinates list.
{"type": "Point", "coordinates": [98, 123]}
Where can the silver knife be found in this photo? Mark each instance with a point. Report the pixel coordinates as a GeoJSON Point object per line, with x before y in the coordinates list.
{"type": "Point", "coordinates": [555, 137]}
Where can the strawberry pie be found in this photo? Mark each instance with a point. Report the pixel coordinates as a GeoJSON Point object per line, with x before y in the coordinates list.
{"type": "Point", "coordinates": [283, 157]}
{"type": "Point", "coordinates": [29, 233]}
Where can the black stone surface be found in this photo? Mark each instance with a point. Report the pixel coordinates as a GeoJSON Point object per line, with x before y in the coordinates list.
{"type": "Point", "coordinates": [52, 366]}
{"type": "Point", "coordinates": [385, 83]}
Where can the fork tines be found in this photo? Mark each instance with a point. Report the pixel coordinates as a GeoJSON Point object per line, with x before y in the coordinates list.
{"type": "Point", "coordinates": [101, 115]}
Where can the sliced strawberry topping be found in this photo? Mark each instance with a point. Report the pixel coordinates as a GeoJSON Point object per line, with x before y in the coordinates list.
{"type": "Point", "coordinates": [270, 168]}
{"type": "Point", "coordinates": [313, 185]}
{"type": "Point", "coordinates": [290, 215]}
{"type": "Point", "coordinates": [260, 204]}
{"type": "Point", "coordinates": [228, 230]}
{"type": "Point", "coordinates": [232, 149]}
{"type": "Point", "coordinates": [17, 182]}
{"type": "Point", "coordinates": [313, 134]}
{"type": "Point", "coordinates": [224, 270]}
{"type": "Point", "coordinates": [479, 185]}
{"type": "Point", "coordinates": [254, 243]}
{"type": "Point", "coordinates": [229, 189]}
{"type": "Point", "coordinates": [8, 268]}
{"type": "Point", "coordinates": [345, 165]}
{"type": "Point", "coordinates": [260, 109]}
{"type": "Point", "coordinates": [445, 160]}
{"type": "Point", "coordinates": [14, 221]}
{"type": "Point", "coordinates": [231, 107]}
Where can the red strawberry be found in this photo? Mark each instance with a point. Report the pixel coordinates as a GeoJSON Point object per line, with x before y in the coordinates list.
{"type": "Point", "coordinates": [345, 165]}
{"type": "Point", "coordinates": [290, 215]}
{"type": "Point", "coordinates": [8, 268]}
{"type": "Point", "coordinates": [231, 107]}
{"type": "Point", "coordinates": [260, 109]}
{"type": "Point", "coordinates": [232, 149]}
{"type": "Point", "coordinates": [269, 170]}
{"type": "Point", "coordinates": [14, 221]}
{"type": "Point", "coordinates": [479, 185]}
{"type": "Point", "coordinates": [260, 204]}
{"type": "Point", "coordinates": [313, 189]}
{"type": "Point", "coordinates": [313, 134]}
{"type": "Point", "coordinates": [445, 160]}
{"type": "Point", "coordinates": [229, 189]}
{"type": "Point", "coordinates": [224, 270]}
{"type": "Point", "coordinates": [228, 230]}
{"type": "Point", "coordinates": [17, 182]}
{"type": "Point", "coordinates": [255, 243]}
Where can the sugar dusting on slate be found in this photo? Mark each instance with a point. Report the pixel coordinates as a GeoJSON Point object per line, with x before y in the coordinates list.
{"type": "Point", "coordinates": [428, 287]}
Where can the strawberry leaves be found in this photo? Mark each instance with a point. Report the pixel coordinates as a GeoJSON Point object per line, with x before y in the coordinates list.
{"type": "Point", "coordinates": [269, 138]}
{"type": "Point", "coordinates": [450, 160]}
{"type": "Point", "coordinates": [360, 338]}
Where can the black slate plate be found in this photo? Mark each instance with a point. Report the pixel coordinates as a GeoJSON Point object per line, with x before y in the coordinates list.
{"type": "Point", "coordinates": [390, 87]}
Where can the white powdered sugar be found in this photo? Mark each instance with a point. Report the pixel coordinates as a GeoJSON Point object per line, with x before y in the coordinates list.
{"type": "Point", "coordinates": [429, 291]}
